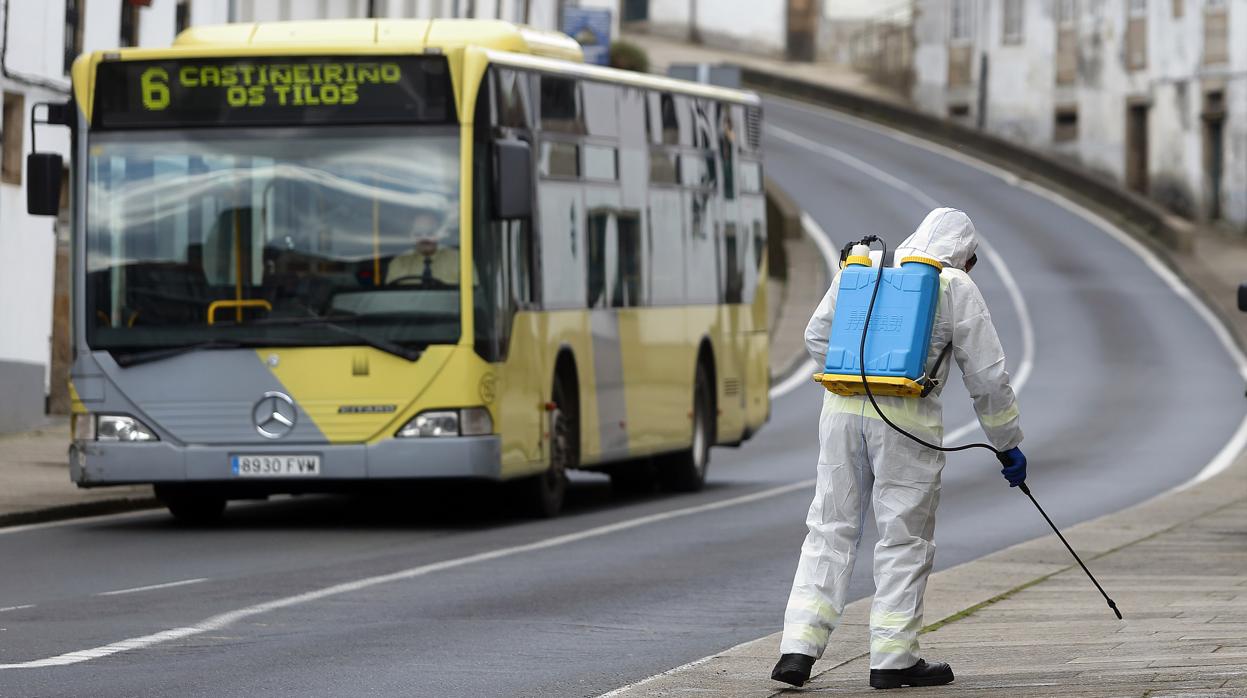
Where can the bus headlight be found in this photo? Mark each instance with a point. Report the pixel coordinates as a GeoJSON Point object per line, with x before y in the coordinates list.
{"type": "Point", "coordinates": [119, 427]}
{"type": "Point", "coordinates": [475, 421]}
{"type": "Point", "coordinates": [470, 421]}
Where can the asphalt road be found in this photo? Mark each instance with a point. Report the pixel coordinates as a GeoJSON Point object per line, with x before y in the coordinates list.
{"type": "Point", "coordinates": [1130, 394]}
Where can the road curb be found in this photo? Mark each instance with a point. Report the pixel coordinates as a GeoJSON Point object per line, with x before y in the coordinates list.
{"type": "Point", "coordinates": [1088, 188]}
{"type": "Point", "coordinates": [78, 510]}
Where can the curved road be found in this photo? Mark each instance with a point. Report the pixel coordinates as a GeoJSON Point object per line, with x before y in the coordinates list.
{"type": "Point", "coordinates": [1131, 394]}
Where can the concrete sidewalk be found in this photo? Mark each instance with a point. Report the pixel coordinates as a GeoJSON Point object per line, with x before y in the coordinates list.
{"type": "Point", "coordinates": [35, 486]}
{"type": "Point", "coordinates": [1026, 622]}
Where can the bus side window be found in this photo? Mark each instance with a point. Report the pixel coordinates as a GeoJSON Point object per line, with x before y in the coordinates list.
{"type": "Point", "coordinates": [734, 280]}
{"type": "Point", "coordinates": [502, 251]}
{"type": "Point", "coordinates": [600, 220]}
{"type": "Point", "coordinates": [727, 149]}
{"type": "Point", "coordinates": [601, 114]}
{"type": "Point", "coordinates": [512, 103]}
{"type": "Point", "coordinates": [561, 107]}
{"type": "Point", "coordinates": [629, 280]}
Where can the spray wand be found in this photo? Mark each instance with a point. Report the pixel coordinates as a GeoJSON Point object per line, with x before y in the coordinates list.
{"type": "Point", "coordinates": [861, 354]}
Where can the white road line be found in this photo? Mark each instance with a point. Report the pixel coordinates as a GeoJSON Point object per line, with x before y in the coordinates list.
{"type": "Point", "coordinates": [16, 608]}
{"type": "Point", "coordinates": [1149, 258]}
{"type": "Point", "coordinates": [802, 374]}
{"type": "Point", "coordinates": [1027, 364]}
{"type": "Point", "coordinates": [1228, 453]}
{"type": "Point", "coordinates": [150, 587]}
{"type": "Point", "coordinates": [226, 619]}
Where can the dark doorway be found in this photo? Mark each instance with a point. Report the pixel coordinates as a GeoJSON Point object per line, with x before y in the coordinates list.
{"type": "Point", "coordinates": [803, 19]}
{"type": "Point", "coordinates": [635, 10]}
{"type": "Point", "coordinates": [1214, 150]}
{"type": "Point", "coordinates": [1136, 147]}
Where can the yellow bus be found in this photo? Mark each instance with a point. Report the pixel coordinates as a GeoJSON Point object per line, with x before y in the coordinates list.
{"type": "Point", "coordinates": [309, 255]}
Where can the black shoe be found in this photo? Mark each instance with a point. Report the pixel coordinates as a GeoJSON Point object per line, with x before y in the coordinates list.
{"type": "Point", "coordinates": [793, 669]}
{"type": "Point", "coordinates": [920, 674]}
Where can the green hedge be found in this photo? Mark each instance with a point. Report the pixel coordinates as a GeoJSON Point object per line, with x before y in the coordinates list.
{"type": "Point", "coordinates": [628, 56]}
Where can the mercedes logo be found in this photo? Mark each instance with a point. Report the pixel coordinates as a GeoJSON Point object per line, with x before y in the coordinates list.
{"type": "Point", "coordinates": [274, 415]}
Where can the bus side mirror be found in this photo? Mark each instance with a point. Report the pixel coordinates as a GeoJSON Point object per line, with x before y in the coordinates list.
{"type": "Point", "coordinates": [513, 180]}
{"type": "Point", "coordinates": [43, 184]}
{"type": "Point", "coordinates": [1242, 297]}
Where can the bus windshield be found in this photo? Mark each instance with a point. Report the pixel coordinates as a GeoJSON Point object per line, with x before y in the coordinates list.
{"type": "Point", "coordinates": [254, 237]}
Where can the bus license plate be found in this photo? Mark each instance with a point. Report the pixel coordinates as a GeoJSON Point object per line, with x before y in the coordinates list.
{"type": "Point", "coordinates": [275, 466]}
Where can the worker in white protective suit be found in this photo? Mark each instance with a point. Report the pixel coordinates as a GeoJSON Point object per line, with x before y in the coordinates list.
{"type": "Point", "coordinates": [863, 461]}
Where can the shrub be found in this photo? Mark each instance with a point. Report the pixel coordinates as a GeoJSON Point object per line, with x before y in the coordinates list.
{"type": "Point", "coordinates": [628, 56]}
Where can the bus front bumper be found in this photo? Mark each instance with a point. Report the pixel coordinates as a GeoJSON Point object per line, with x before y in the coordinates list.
{"type": "Point", "coordinates": [97, 463]}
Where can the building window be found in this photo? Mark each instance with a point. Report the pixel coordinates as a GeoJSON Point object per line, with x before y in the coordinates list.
{"type": "Point", "coordinates": [1136, 34]}
{"type": "Point", "coordinates": [130, 22]}
{"type": "Point", "coordinates": [1216, 33]}
{"type": "Point", "coordinates": [1012, 30]}
{"type": "Point", "coordinates": [1065, 125]}
{"type": "Point", "coordinates": [14, 126]}
{"type": "Point", "coordinates": [959, 21]}
{"type": "Point", "coordinates": [73, 32]}
{"type": "Point", "coordinates": [1066, 42]}
{"type": "Point", "coordinates": [182, 16]}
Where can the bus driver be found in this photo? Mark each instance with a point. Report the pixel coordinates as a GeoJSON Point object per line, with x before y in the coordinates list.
{"type": "Point", "coordinates": [432, 261]}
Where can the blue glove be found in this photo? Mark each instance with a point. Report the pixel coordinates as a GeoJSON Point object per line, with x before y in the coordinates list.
{"type": "Point", "coordinates": [1014, 466]}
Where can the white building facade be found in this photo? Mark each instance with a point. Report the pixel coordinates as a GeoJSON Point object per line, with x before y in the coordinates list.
{"type": "Point", "coordinates": [40, 40]}
{"type": "Point", "coordinates": [543, 14]}
{"type": "Point", "coordinates": [1152, 93]}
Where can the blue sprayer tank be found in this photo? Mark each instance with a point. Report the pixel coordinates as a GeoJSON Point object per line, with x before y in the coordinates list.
{"type": "Point", "coordinates": [900, 327]}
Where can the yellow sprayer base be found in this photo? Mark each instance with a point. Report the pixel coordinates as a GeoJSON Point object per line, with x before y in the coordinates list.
{"type": "Point", "coordinates": [849, 385]}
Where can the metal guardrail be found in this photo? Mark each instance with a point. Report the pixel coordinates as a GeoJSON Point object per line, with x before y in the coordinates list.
{"type": "Point", "coordinates": [1101, 192]}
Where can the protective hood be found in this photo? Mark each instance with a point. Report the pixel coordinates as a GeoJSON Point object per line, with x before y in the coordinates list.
{"type": "Point", "coordinates": [946, 234]}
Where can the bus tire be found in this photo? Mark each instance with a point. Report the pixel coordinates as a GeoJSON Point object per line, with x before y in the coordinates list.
{"type": "Point", "coordinates": [685, 471]}
{"type": "Point", "coordinates": [543, 494]}
{"type": "Point", "coordinates": [190, 507]}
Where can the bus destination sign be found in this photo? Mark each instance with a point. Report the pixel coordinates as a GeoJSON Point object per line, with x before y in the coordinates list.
{"type": "Point", "coordinates": [273, 91]}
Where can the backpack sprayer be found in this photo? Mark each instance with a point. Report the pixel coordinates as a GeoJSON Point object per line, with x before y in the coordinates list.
{"type": "Point", "coordinates": [899, 347]}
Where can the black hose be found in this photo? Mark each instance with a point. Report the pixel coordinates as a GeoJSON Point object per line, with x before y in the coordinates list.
{"type": "Point", "coordinates": [861, 357]}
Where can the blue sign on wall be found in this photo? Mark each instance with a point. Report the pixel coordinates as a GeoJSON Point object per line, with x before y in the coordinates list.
{"type": "Point", "coordinates": [591, 27]}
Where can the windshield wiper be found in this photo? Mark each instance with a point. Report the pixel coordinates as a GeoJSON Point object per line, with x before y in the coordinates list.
{"type": "Point", "coordinates": [141, 357]}
{"type": "Point", "coordinates": [385, 345]}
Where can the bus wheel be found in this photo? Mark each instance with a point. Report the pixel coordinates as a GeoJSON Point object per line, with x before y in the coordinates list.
{"type": "Point", "coordinates": [191, 507]}
{"type": "Point", "coordinates": [544, 493]}
{"type": "Point", "coordinates": [686, 471]}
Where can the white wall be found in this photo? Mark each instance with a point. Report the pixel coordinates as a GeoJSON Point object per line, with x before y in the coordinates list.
{"type": "Point", "coordinates": [1020, 76]}
{"type": "Point", "coordinates": [748, 25]}
{"type": "Point", "coordinates": [1022, 94]}
{"type": "Point", "coordinates": [34, 61]}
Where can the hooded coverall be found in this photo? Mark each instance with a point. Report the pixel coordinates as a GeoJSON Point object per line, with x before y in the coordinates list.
{"type": "Point", "coordinates": [863, 461]}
